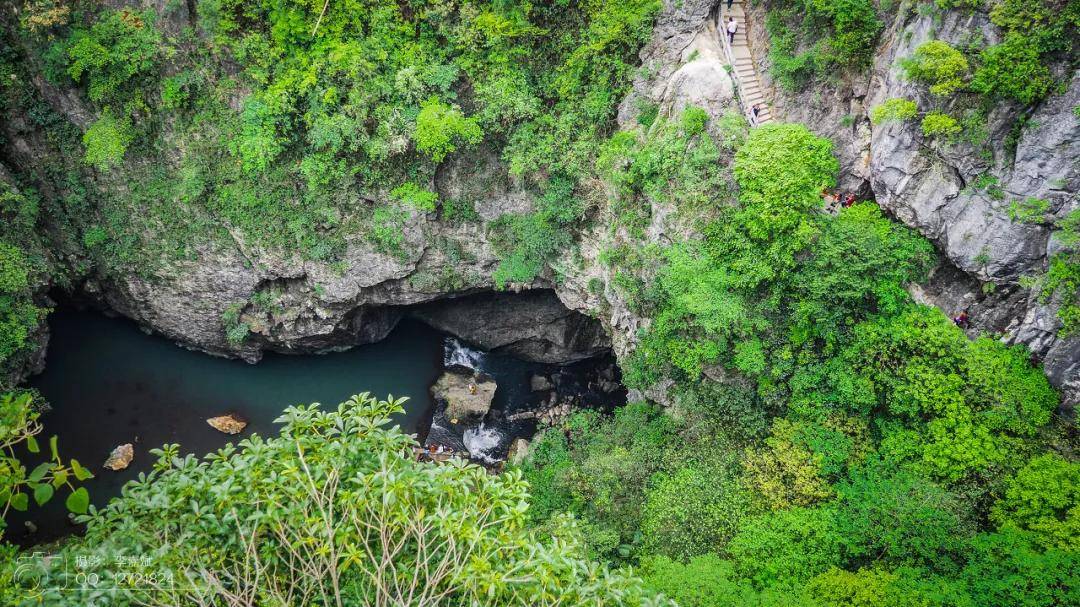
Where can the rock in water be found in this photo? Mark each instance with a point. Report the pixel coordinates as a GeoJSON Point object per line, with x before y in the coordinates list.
{"type": "Point", "coordinates": [468, 397]}
{"type": "Point", "coordinates": [229, 424]}
{"type": "Point", "coordinates": [518, 450]}
{"type": "Point", "coordinates": [540, 383]}
{"type": "Point", "coordinates": [120, 457]}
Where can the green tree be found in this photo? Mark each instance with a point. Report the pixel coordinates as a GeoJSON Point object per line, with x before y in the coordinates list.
{"type": "Point", "coordinates": [1013, 69]}
{"type": "Point", "coordinates": [788, 546]}
{"type": "Point", "coordinates": [693, 511]}
{"type": "Point", "coordinates": [1044, 497]}
{"type": "Point", "coordinates": [335, 510]}
{"type": "Point", "coordinates": [898, 518]}
{"type": "Point", "coordinates": [704, 581]}
{"type": "Point", "coordinates": [1011, 568]}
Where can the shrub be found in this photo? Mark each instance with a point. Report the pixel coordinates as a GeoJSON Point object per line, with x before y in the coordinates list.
{"type": "Point", "coordinates": [855, 29]}
{"type": "Point", "coordinates": [236, 331]}
{"type": "Point", "coordinates": [788, 546]}
{"type": "Point", "coordinates": [837, 34]}
{"type": "Point", "coordinates": [1013, 69]}
{"type": "Point", "coordinates": [386, 230]}
{"type": "Point", "coordinates": [336, 506]}
{"type": "Point", "coordinates": [692, 511]}
{"type": "Point", "coordinates": [936, 124]}
{"type": "Point", "coordinates": [18, 314]}
{"type": "Point", "coordinates": [600, 469]}
{"type": "Point", "coordinates": [1030, 210]}
{"type": "Point", "coordinates": [416, 197]}
{"type": "Point", "coordinates": [1042, 497]}
{"type": "Point", "coordinates": [116, 56]}
{"type": "Point", "coordinates": [106, 141]}
{"type": "Point", "coordinates": [1062, 278]}
{"type": "Point", "coordinates": [694, 120]}
{"type": "Point", "coordinates": [19, 427]}
{"type": "Point", "coordinates": [14, 269]}
{"type": "Point", "coordinates": [440, 128]}
{"type": "Point", "coordinates": [938, 64]}
{"type": "Point", "coordinates": [896, 109]}
{"type": "Point", "coordinates": [258, 141]}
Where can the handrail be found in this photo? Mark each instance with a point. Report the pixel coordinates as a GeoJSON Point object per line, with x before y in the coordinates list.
{"type": "Point", "coordinates": [748, 112]}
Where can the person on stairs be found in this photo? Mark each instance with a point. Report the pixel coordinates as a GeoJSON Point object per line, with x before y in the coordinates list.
{"type": "Point", "coordinates": [732, 27]}
{"type": "Point", "coordinates": [729, 3]}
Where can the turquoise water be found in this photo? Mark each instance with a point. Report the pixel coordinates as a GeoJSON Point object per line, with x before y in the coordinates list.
{"type": "Point", "coordinates": [109, 383]}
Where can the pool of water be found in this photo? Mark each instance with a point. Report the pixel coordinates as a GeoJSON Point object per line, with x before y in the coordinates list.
{"type": "Point", "coordinates": [109, 383]}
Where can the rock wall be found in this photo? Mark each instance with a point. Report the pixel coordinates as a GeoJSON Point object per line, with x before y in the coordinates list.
{"type": "Point", "coordinates": [296, 305]}
{"type": "Point", "coordinates": [934, 186]}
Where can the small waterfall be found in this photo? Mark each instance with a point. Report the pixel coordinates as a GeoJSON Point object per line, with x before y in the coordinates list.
{"type": "Point", "coordinates": [482, 442]}
{"type": "Point", "coordinates": [458, 354]}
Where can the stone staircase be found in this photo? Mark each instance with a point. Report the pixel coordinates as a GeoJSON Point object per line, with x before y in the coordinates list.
{"type": "Point", "coordinates": [738, 52]}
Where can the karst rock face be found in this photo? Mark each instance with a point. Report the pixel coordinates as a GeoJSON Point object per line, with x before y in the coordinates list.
{"type": "Point", "coordinates": [954, 194]}
{"type": "Point", "coordinates": [928, 186]}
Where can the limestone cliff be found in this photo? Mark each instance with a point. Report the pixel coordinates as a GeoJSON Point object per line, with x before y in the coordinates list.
{"type": "Point", "coordinates": [290, 303]}
{"type": "Point", "coordinates": [935, 187]}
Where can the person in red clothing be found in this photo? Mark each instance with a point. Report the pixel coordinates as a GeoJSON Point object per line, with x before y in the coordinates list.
{"type": "Point", "coordinates": [961, 320]}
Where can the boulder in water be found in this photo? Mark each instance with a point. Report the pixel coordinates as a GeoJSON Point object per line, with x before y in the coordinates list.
{"type": "Point", "coordinates": [468, 397]}
{"type": "Point", "coordinates": [540, 383]}
{"type": "Point", "coordinates": [120, 457]}
{"type": "Point", "coordinates": [518, 450]}
{"type": "Point", "coordinates": [229, 424]}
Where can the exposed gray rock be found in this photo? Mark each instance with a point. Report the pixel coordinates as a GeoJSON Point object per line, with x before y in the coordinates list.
{"type": "Point", "coordinates": [532, 325]}
{"type": "Point", "coordinates": [540, 383]}
{"type": "Point", "coordinates": [467, 396]}
{"type": "Point", "coordinates": [518, 450]}
{"type": "Point", "coordinates": [934, 186]}
{"type": "Point", "coordinates": [683, 64]}
{"type": "Point", "coordinates": [702, 80]}
{"type": "Point", "coordinates": [481, 180]}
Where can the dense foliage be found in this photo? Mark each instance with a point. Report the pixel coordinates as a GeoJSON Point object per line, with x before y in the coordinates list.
{"type": "Point", "coordinates": [334, 511]}
{"type": "Point", "coordinates": [814, 38]}
{"type": "Point", "coordinates": [21, 272]}
{"type": "Point", "coordinates": [286, 124]}
{"type": "Point", "coordinates": [830, 441]}
{"type": "Point", "coordinates": [875, 455]}
{"type": "Point", "coordinates": [968, 80]}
